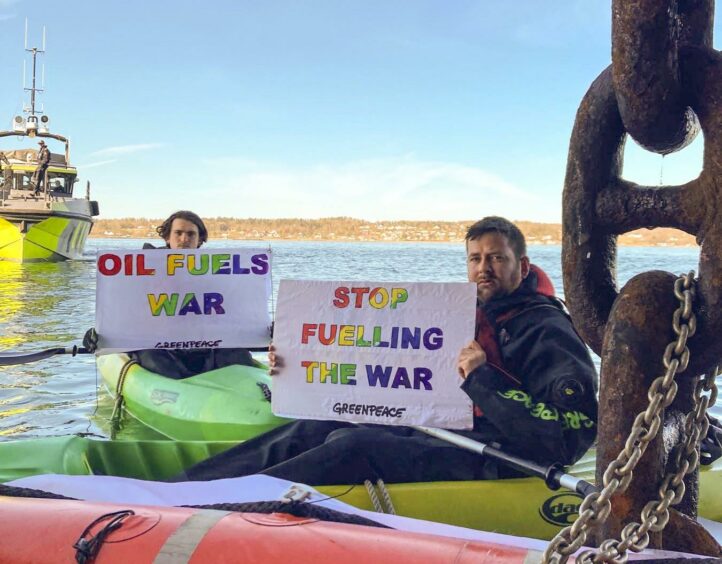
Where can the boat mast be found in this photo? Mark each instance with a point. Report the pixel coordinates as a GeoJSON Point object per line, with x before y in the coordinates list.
{"type": "Point", "coordinates": [31, 122]}
{"type": "Point", "coordinates": [31, 125]}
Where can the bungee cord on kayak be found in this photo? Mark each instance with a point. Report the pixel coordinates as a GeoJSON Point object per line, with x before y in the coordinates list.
{"type": "Point", "coordinates": [117, 415]}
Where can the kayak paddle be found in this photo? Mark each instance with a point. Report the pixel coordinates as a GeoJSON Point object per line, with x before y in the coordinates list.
{"type": "Point", "coordinates": [12, 358]}
{"type": "Point", "coordinates": [553, 475]}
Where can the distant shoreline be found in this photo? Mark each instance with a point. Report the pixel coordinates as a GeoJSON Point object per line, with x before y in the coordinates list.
{"type": "Point", "coordinates": [350, 230]}
{"type": "Point", "coordinates": [388, 242]}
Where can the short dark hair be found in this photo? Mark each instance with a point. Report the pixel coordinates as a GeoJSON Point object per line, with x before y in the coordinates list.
{"type": "Point", "coordinates": [496, 224]}
{"type": "Point", "coordinates": [164, 229]}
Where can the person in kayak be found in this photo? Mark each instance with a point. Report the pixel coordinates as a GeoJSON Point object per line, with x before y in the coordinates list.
{"type": "Point", "coordinates": [181, 230]}
{"type": "Point", "coordinates": [528, 373]}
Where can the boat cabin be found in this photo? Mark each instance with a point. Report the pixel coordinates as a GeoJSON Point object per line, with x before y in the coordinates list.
{"type": "Point", "coordinates": [17, 168]}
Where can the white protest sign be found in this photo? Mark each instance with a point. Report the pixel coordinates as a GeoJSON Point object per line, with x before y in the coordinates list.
{"type": "Point", "coordinates": [373, 352]}
{"type": "Point", "coordinates": [176, 299]}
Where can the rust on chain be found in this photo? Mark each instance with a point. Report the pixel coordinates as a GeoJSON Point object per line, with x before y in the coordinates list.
{"type": "Point", "coordinates": [652, 91]}
{"type": "Point", "coordinates": [599, 205]}
{"type": "Point", "coordinates": [628, 349]}
{"type": "Point", "coordinates": [639, 328]}
{"type": "Point", "coordinates": [645, 68]}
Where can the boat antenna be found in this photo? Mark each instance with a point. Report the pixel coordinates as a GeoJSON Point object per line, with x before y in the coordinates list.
{"type": "Point", "coordinates": [32, 110]}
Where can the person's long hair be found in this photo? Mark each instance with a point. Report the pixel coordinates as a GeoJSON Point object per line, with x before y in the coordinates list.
{"type": "Point", "coordinates": [164, 229]}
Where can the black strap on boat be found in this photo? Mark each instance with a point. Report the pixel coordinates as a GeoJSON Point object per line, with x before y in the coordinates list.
{"type": "Point", "coordinates": [295, 508]}
{"type": "Point", "coordinates": [266, 390]}
{"type": "Point", "coordinates": [86, 549]}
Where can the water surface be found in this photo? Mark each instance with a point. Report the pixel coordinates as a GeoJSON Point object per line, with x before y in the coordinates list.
{"type": "Point", "coordinates": [47, 305]}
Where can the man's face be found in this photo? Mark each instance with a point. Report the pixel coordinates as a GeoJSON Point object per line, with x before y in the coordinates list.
{"type": "Point", "coordinates": [183, 235]}
{"type": "Point", "coordinates": [494, 268]}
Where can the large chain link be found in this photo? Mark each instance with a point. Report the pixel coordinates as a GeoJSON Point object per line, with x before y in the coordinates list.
{"type": "Point", "coordinates": [655, 515]}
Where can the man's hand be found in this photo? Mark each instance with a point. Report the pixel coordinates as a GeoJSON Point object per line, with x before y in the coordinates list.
{"type": "Point", "coordinates": [470, 358]}
{"type": "Point", "coordinates": [274, 361]}
{"type": "Point", "coordinates": [90, 340]}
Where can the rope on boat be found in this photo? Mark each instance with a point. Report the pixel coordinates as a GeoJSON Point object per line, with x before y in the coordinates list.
{"type": "Point", "coordinates": [13, 491]}
{"type": "Point", "coordinates": [117, 415]}
{"type": "Point", "coordinates": [387, 506]}
{"type": "Point", "coordinates": [295, 508]}
{"type": "Point", "coordinates": [378, 508]}
{"type": "Point", "coordinates": [386, 496]}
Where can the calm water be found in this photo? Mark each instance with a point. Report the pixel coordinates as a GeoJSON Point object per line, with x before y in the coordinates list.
{"type": "Point", "coordinates": [46, 305]}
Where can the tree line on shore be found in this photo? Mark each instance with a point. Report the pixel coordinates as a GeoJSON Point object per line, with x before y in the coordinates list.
{"type": "Point", "coordinates": [350, 229]}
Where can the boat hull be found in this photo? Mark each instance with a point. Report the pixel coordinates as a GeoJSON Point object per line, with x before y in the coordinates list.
{"type": "Point", "coordinates": [43, 530]}
{"type": "Point", "coordinates": [51, 236]}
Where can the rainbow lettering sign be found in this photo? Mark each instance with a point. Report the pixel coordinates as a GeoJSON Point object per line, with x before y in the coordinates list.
{"type": "Point", "coordinates": [177, 299]}
{"type": "Point", "coordinates": [373, 352]}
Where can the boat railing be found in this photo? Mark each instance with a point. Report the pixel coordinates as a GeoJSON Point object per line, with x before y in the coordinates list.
{"type": "Point", "coordinates": [55, 136]}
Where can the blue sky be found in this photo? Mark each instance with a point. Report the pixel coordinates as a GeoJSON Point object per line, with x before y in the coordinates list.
{"type": "Point", "coordinates": [376, 109]}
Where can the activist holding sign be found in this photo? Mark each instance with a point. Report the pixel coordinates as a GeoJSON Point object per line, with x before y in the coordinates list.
{"type": "Point", "coordinates": [528, 373]}
{"type": "Point", "coordinates": [182, 230]}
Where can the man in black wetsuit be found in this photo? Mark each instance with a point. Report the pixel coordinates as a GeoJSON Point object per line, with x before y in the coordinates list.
{"type": "Point", "coordinates": [182, 230]}
{"type": "Point", "coordinates": [528, 373]}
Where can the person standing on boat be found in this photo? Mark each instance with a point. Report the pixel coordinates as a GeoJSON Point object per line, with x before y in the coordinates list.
{"type": "Point", "coordinates": [38, 177]}
{"type": "Point", "coordinates": [529, 374]}
{"type": "Point", "coordinates": [7, 171]}
{"type": "Point", "coordinates": [182, 230]}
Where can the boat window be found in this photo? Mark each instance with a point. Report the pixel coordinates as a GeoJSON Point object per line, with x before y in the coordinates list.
{"type": "Point", "coordinates": [61, 182]}
{"type": "Point", "coordinates": [22, 181]}
{"type": "Point", "coordinates": [58, 182]}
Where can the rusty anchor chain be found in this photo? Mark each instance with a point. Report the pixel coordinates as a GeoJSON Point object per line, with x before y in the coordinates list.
{"type": "Point", "coordinates": [599, 205]}
{"type": "Point", "coordinates": [662, 87]}
{"type": "Point", "coordinates": [618, 475]}
{"type": "Point", "coordinates": [645, 71]}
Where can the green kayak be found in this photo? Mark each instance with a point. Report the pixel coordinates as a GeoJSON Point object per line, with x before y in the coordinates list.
{"type": "Point", "coordinates": [522, 507]}
{"type": "Point", "coordinates": [81, 456]}
{"type": "Point", "coordinates": [227, 404]}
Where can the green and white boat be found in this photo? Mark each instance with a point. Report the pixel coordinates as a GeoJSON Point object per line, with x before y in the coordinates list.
{"type": "Point", "coordinates": [49, 225]}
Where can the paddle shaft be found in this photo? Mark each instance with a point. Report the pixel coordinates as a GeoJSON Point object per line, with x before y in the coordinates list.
{"type": "Point", "coordinates": [553, 475]}
{"type": "Point", "coordinates": [11, 359]}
